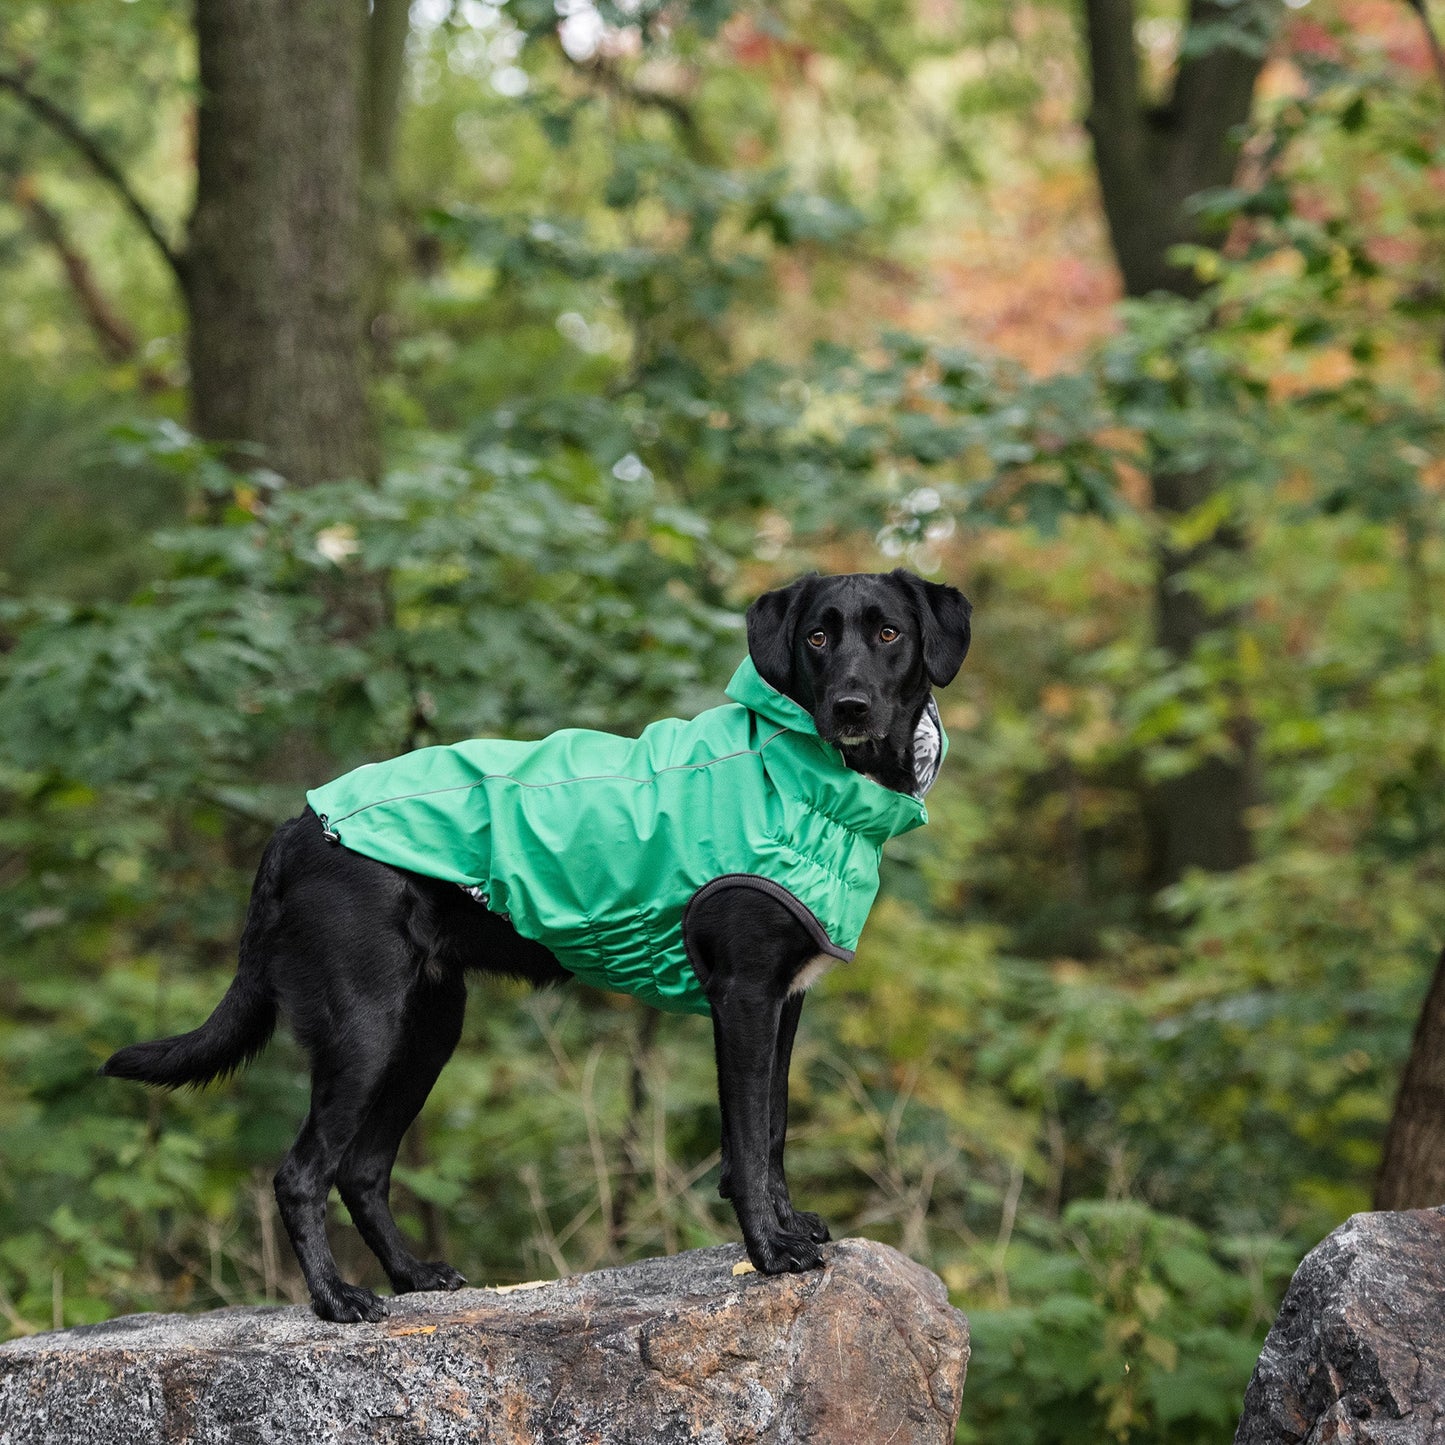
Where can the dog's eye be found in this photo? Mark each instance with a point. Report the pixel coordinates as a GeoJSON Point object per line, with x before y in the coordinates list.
{"type": "Point", "coordinates": [889, 634]}
{"type": "Point", "coordinates": [818, 638]}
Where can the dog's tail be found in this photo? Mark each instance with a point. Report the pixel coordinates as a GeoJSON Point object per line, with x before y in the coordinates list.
{"type": "Point", "coordinates": [243, 1021]}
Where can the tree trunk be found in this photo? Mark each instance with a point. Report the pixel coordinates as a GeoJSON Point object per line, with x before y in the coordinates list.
{"type": "Point", "coordinates": [1412, 1172]}
{"type": "Point", "coordinates": [385, 69]}
{"type": "Point", "coordinates": [1197, 820]}
{"type": "Point", "coordinates": [386, 238]}
{"type": "Point", "coordinates": [275, 272]}
{"type": "Point", "coordinates": [1150, 161]}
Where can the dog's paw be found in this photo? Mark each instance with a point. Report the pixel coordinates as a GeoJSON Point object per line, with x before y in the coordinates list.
{"type": "Point", "coordinates": [802, 1221]}
{"type": "Point", "coordinates": [784, 1253]}
{"type": "Point", "coordinates": [798, 1221]}
{"type": "Point", "coordinates": [349, 1304]}
{"type": "Point", "coordinates": [436, 1275]}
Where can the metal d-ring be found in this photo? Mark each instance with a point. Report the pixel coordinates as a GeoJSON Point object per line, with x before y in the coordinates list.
{"type": "Point", "coordinates": [327, 831]}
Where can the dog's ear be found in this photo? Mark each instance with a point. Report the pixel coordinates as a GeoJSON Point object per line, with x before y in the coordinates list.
{"type": "Point", "coordinates": [943, 614]}
{"type": "Point", "coordinates": [772, 622]}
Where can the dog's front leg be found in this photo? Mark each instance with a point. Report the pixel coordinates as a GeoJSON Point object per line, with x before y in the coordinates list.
{"type": "Point", "coordinates": [795, 1221]}
{"type": "Point", "coordinates": [747, 1015]}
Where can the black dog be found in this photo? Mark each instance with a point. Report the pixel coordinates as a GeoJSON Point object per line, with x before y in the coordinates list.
{"type": "Point", "coordinates": [367, 961]}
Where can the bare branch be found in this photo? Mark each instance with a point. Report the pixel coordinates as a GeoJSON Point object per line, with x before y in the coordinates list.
{"type": "Point", "coordinates": [546, 1240]}
{"type": "Point", "coordinates": [117, 340]}
{"type": "Point", "coordinates": [1436, 54]}
{"type": "Point", "coordinates": [623, 1196]}
{"type": "Point", "coordinates": [17, 1321]}
{"type": "Point", "coordinates": [869, 39]}
{"type": "Point", "coordinates": [599, 1155]}
{"type": "Point", "coordinates": [611, 79]}
{"type": "Point", "coordinates": [71, 130]}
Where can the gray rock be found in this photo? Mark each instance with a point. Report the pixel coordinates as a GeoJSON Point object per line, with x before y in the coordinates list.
{"type": "Point", "coordinates": [1357, 1354]}
{"type": "Point", "coordinates": [676, 1350]}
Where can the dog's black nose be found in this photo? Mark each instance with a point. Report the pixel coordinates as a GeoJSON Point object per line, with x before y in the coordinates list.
{"type": "Point", "coordinates": [850, 711]}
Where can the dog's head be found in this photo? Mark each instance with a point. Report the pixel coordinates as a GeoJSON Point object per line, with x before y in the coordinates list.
{"type": "Point", "coordinates": [860, 652]}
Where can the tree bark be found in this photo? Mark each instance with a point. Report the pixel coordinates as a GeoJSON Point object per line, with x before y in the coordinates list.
{"type": "Point", "coordinates": [1150, 161]}
{"type": "Point", "coordinates": [1412, 1171]}
{"type": "Point", "coordinates": [276, 266]}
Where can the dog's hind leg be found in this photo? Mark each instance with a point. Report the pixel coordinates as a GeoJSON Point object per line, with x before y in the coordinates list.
{"type": "Point", "coordinates": [430, 1033]}
{"type": "Point", "coordinates": [342, 1093]}
{"type": "Point", "coordinates": [353, 1030]}
{"type": "Point", "coordinates": [345, 1084]}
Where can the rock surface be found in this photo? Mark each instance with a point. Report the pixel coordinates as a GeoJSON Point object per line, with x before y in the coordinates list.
{"type": "Point", "coordinates": [1357, 1355]}
{"type": "Point", "coordinates": [865, 1350]}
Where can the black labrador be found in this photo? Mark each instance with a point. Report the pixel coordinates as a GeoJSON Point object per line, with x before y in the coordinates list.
{"type": "Point", "coordinates": [368, 962]}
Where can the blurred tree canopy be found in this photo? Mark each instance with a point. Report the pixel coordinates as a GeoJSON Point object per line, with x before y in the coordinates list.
{"type": "Point", "coordinates": [466, 368]}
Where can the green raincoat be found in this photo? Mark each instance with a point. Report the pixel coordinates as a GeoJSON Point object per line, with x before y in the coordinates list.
{"type": "Point", "coordinates": [594, 845]}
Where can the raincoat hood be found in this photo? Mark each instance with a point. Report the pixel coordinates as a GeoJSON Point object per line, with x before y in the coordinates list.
{"type": "Point", "coordinates": [748, 688]}
{"type": "Point", "coordinates": [595, 845]}
{"type": "Point", "coordinates": [865, 805]}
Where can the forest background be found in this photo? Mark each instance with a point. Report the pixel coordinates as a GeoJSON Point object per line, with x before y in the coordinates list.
{"type": "Point", "coordinates": [383, 375]}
